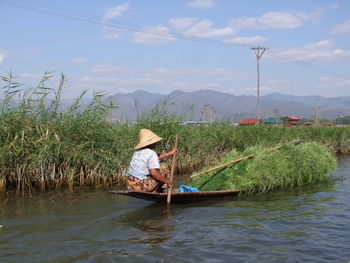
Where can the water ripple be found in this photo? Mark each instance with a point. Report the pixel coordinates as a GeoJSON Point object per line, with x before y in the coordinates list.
{"type": "Point", "coordinates": [308, 224]}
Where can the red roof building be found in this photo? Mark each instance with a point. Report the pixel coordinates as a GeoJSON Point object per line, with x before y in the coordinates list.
{"type": "Point", "coordinates": [291, 121]}
{"type": "Point", "coordinates": [290, 118]}
{"type": "Point", "coordinates": [248, 122]}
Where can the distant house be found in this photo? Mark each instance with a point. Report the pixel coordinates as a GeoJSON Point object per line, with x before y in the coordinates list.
{"type": "Point", "coordinates": [247, 122]}
{"type": "Point", "coordinates": [291, 121]}
{"type": "Point", "coordinates": [194, 123]}
{"type": "Point", "coordinates": [272, 121]}
{"type": "Point", "coordinates": [308, 123]}
{"type": "Point", "coordinates": [290, 118]}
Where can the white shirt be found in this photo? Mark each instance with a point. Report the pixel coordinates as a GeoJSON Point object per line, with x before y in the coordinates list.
{"type": "Point", "coordinates": [141, 162]}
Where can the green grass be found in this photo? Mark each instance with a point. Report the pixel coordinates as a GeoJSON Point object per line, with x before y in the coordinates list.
{"type": "Point", "coordinates": [271, 168]}
{"type": "Point", "coordinates": [45, 146]}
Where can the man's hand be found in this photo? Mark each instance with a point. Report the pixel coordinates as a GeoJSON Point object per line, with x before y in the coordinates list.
{"type": "Point", "coordinates": [164, 155]}
{"type": "Point", "coordinates": [170, 184]}
{"type": "Point", "coordinates": [155, 174]}
{"type": "Point", "coordinates": [172, 152]}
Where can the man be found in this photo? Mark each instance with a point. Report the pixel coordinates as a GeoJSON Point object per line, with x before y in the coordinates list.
{"type": "Point", "coordinates": [144, 171]}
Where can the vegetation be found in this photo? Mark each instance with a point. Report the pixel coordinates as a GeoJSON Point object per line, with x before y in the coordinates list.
{"type": "Point", "coordinates": [46, 145]}
{"type": "Point", "coordinates": [291, 165]}
{"type": "Point", "coordinates": [41, 145]}
{"type": "Point", "coordinates": [343, 120]}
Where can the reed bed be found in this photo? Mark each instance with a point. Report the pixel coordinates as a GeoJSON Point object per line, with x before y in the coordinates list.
{"type": "Point", "coordinates": [44, 146]}
{"type": "Point", "coordinates": [47, 146]}
{"type": "Point", "coordinates": [271, 168]}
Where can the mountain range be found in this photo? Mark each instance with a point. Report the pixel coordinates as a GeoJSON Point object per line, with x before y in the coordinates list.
{"type": "Point", "coordinates": [204, 104]}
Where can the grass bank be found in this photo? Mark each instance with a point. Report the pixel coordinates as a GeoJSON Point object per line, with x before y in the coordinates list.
{"type": "Point", "coordinates": [45, 146]}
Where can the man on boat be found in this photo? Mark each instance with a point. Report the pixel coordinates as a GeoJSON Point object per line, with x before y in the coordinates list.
{"type": "Point", "coordinates": [144, 173]}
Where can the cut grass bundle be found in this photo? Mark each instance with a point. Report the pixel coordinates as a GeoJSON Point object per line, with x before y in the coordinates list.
{"type": "Point", "coordinates": [271, 168]}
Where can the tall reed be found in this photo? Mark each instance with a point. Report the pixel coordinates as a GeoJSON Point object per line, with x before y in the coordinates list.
{"type": "Point", "coordinates": [45, 145]}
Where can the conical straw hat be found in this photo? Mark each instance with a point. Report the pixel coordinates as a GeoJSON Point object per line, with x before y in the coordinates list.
{"type": "Point", "coordinates": [147, 137]}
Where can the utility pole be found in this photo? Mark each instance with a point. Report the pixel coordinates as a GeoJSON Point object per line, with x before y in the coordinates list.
{"type": "Point", "coordinates": [340, 118]}
{"type": "Point", "coordinates": [259, 51]}
{"type": "Point", "coordinates": [208, 113]}
{"type": "Point", "coordinates": [317, 114]}
{"type": "Point", "coordinates": [276, 113]}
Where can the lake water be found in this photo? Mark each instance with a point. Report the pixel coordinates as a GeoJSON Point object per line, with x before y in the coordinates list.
{"type": "Point", "coordinates": [308, 224]}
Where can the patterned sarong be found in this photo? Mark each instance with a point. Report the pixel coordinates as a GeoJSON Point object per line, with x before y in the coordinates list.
{"type": "Point", "coordinates": [135, 184]}
{"type": "Point", "coordinates": [149, 184]}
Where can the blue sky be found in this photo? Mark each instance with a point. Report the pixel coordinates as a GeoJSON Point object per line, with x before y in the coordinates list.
{"type": "Point", "coordinates": [161, 46]}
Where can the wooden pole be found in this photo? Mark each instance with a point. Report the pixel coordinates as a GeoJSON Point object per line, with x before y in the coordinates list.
{"type": "Point", "coordinates": [172, 171]}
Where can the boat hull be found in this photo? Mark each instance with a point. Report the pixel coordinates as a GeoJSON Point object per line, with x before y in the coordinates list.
{"type": "Point", "coordinates": [180, 198]}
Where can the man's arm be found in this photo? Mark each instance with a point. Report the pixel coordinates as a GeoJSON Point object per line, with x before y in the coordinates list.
{"type": "Point", "coordinates": [164, 155]}
{"type": "Point", "coordinates": [155, 174]}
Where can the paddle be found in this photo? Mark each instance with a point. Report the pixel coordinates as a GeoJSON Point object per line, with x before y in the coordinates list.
{"type": "Point", "coordinates": [173, 166]}
{"type": "Point", "coordinates": [224, 165]}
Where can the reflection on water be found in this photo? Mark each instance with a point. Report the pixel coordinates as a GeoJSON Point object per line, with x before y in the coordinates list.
{"type": "Point", "coordinates": [152, 220]}
{"type": "Point", "coordinates": [307, 224]}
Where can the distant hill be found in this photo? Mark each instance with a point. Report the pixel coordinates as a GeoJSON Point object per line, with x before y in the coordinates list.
{"type": "Point", "coordinates": [196, 104]}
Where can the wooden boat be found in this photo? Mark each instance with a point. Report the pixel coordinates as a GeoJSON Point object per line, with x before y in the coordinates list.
{"type": "Point", "coordinates": [179, 198]}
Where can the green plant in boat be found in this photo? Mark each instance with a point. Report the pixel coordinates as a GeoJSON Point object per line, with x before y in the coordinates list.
{"type": "Point", "coordinates": [291, 165]}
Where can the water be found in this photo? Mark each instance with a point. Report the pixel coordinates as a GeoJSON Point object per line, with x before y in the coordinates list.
{"type": "Point", "coordinates": [309, 224]}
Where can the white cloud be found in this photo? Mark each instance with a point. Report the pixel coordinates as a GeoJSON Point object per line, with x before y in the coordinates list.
{"type": "Point", "coordinates": [78, 60]}
{"type": "Point", "coordinates": [342, 28]}
{"type": "Point", "coordinates": [245, 40]}
{"type": "Point", "coordinates": [321, 50]}
{"type": "Point", "coordinates": [344, 83]}
{"type": "Point", "coordinates": [275, 20]}
{"type": "Point", "coordinates": [107, 81]}
{"type": "Point", "coordinates": [111, 33]}
{"type": "Point", "coordinates": [153, 35]}
{"type": "Point", "coordinates": [117, 11]}
{"type": "Point", "coordinates": [277, 85]}
{"type": "Point", "coordinates": [204, 29]}
{"type": "Point", "coordinates": [180, 85]}
{"type": "Point", "coordinates": [263, 89]}
{"type": "Point", "coordinates": [210, 85]}
{"type": "Point", "coordinates": [202, 4]}
{"type": "Point", "coordinates": [334, 7]}
{"type": "Point", "coordinates": [190, 26]}
{"type": "Point", "coordinates": [107, 90]}
{"type": "Point", "coordinates": [21, 54]}
{"type": "Point", "coordinates": [2, 56]}
{"type": "Point", "coordinates": [28, 75]}
{"type": "Point", "coordinates": [188, 86]}
{"type": "Point", "coordinates": [325, 78]}
{"type": "Point", "coordinates": [182, 23]}
{"type": "Point", "coordinates": [218, 73]}
{"type": "Point", "coordinates": [110, 69]}
{"type": "Point", "coordinates": [277, 81]}
{"type": "Point", "coordinates": [110, 85]}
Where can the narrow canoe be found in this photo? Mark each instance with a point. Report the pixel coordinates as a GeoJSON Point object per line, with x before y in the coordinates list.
{"type": "Point", "coordinates": [180, 198]}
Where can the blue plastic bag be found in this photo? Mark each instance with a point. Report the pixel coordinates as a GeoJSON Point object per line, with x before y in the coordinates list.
{"type": "Point", "coordinates": [187, 189]}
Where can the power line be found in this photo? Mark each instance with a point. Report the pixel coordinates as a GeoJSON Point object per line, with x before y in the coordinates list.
{"type": "Point", "coordinates": [55, 10]}
{"type": "Point", "coordinates": [43, 7]}
{"type": "Point", "coordinates": [319, 69]}
{"type": "Point", "coordinates": [308, 65]}
{"type": "Point", "coordinates": [85, 17]}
